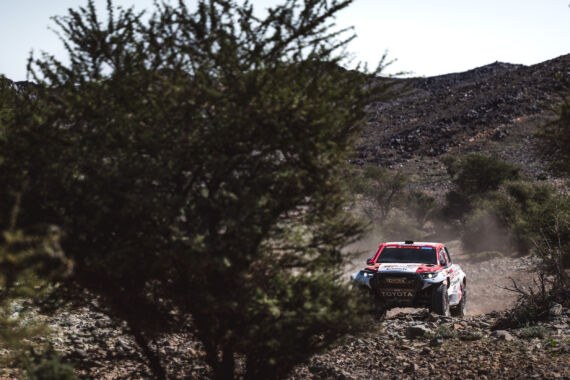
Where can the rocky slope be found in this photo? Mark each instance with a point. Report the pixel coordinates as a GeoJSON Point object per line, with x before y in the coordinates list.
{"type": "Point", "coordinates": [422, 345]}
{"type": "Point", "coordinates": [494, 108]}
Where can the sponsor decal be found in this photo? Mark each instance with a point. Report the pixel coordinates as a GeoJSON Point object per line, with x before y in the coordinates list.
{"type": "Point", "coordinates": [408, 268]}
{"type": "Point", "coordinates": [396, 280]}
{"type": "Point", "coordinates": [397, 294]}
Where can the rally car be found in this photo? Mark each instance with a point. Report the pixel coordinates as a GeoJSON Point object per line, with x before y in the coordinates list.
{"type": "Point", "coordinates": [414, 274]}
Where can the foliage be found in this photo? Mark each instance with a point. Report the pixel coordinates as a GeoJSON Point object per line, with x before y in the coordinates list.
{"type": "Point", "coordinates": [50, 369]}
{"type": "Point", "coordinates": [497, 210]}
{"type": "Point", "coordinates": [554, 140]}
{"type": "Point", "coordinates": [397, 212]}
{"type": "Point", "coordinates": [474, 176]}
{"type": "Point", "coordinates": [446, 333]}
{"type": "Point", "coordinates": [27, 265]}
{"type": "Point", "coordinates": [534, 332]}
{"type": "Point", "coordinates": [470, 335]}
{"type": "Point", "coordinates": [194, 160]}
{"type": "Point", "coordinates": [551, 227]}
{"type": "Point", "coordinates": [382, 189]}
{"type": "Point", "coordinates": [553, 246]}
{"type": "Point", "coordinates": [29, 260]}
{"type": "Point", "coordinates": [534, 302]}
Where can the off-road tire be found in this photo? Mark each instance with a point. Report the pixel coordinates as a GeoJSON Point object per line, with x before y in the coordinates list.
{"type": "Point", "coordinates": [461, 309]}
{"type": "Point", "coordinates": [440, 300]}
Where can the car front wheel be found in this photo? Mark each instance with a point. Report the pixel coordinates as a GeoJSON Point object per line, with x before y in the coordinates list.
{"type": "Point", "coordinates": [440, 300]}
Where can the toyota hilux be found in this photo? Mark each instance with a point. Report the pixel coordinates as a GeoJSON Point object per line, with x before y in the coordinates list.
{"type": "Point", "coordinates": [414, 274]}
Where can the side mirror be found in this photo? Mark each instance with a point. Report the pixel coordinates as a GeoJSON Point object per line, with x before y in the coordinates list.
{"type": "Point", "coordinates": [370, 261]}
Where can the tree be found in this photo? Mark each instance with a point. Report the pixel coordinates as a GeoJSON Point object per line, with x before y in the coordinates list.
{"type": "Point", "coordinates": [473, 177]}
{"type": "Point", "coordinates": [29, 261]}
{"type": "Point", "coordinates": [195, 162]}
{"type": "Point", "coordinates": [382, 188]}
{"type": "Point", "coordinates": [555, 140]}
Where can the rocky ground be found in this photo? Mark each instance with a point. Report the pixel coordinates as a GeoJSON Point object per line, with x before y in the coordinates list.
{"type": "Point", "coordinates": [421, 345]}
{"type": "Point", "coordinates": [410, 343]}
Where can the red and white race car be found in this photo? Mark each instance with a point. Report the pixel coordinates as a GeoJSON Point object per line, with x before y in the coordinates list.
{"type": "Point", "coordinates": [415, 274]}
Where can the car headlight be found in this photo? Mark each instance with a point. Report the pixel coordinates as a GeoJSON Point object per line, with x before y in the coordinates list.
{"type": "Point", "coordinates": [429, 275]}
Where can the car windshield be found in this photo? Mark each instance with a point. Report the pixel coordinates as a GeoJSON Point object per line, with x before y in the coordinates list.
{"type": "Point", "coordinates": [422, 255]}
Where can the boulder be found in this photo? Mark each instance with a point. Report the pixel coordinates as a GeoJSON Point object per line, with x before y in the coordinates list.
{"type": "Point", "coordinates": [417, 331]}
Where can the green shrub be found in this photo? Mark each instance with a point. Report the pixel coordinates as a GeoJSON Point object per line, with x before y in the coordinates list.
{"type": "Point", "coordinates": [194, 156]}
{"type": "Point", "coordinates": [554, 140]}
{"type": "Point", "coordinates": [470, 335]}
{"type": "Point", "coordinates": [382, 189]}
{"type": "Point", "coordinates": [479, 174]}
{"type": "Point", "coordinates": [474, 176]}
{"type": "Point", "coordinates": [534, 332]}
{"type": "Point", "coordinates": [51, 369]}
{"type": "Point", "coordinates": [446, 333]}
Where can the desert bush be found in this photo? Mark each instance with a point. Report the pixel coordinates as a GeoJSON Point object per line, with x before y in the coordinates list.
{"type": "Point", "coordinates": [382, 190]}
{"type": "Point", "coordinates": [446, 332]}
{"type": "Point", "coordinates": [534, 302]}
{"type": "Point", "coordinates": [554, 139]}
{"type": "Point", "coordinates": [479, 174]}
{"type": "Point", "coordinates": [470, 335]}
{"type": "Point", "coordinates": [28, 265]}
{"type": "Point", "coordinates": [534, 332]}
{"type": "Point", "coordinates": [473, 177]}
{"type": "Point", "coordinates": [550, 231]}
{"type": "Point", "coordinates": [194, 157]}
{"type": "Point", "coordinates": [396, 212]}
{"type": "Point", "coordinates": [550, 242]}
{"type": "Point", "coordinates": [51, 368]}
{"type": "Point", "coordinates": [497, 210]}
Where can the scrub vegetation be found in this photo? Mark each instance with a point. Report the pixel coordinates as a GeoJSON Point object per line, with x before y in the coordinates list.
{"type": "Point", "coordinates": [195, 159]}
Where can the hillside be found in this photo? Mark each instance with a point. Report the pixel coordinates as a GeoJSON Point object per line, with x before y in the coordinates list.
{"type": "Point", "coordinates": [494, 109]}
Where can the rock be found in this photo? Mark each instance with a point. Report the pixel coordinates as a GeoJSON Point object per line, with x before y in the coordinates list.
{"type": "Point", "coordinates": [412, 368]}
{"type": "Point", "coordinates": [437, 341]}
{"type": "Point", "coordinates": [416, 331]}
{"type": "Point", "coordinates": [503, 335]}
{"type": "Point", "coordinates": [431, 317]}
{"type": "Point", "coordinates": [555, 310]}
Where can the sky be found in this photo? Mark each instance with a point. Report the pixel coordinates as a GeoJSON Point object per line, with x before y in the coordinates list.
{"type": "Point", "coordinates": [423, 37]}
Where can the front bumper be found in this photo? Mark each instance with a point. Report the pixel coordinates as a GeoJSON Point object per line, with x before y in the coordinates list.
{"type": "Point", "coordinates": [398, 289]}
